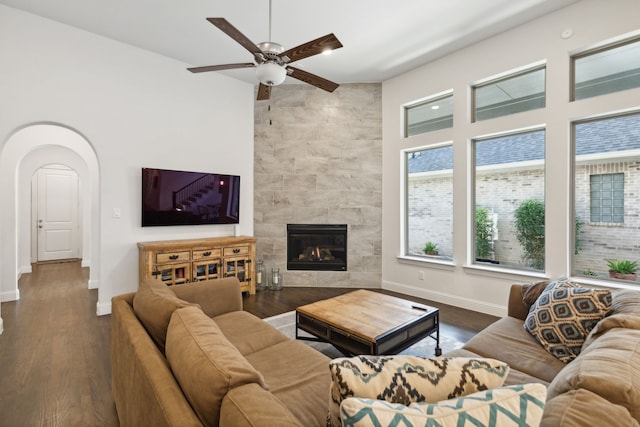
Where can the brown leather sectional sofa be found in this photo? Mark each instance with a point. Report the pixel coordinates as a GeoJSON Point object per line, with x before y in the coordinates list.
{"type": "Point", "coordinates": [235, 369]}
{"type": "Point", "coordinates": [601, 387]}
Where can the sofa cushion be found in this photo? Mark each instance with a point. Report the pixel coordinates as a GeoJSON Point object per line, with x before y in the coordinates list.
{"type": "Point", "coordinates": [609, 367]}
{"type": "Point", "coordinates": [407, 379]}
{"type": "Point", "coordinates": [580, 408]}
{"type": "Point", "coordinates": [205, 363]}
{"type": "Point", "coordinates": [507, 406]}
{"type": "Point", "coordinates": [154, 303]}
{"type": "Point", "coordinates": [563, 316]}
{"type": "Point", "coordinates": [507, 340]}
{"type": "Point", "coordinates": [248, 333]}
{"type": "Point", "coordinates": [251, 406]}
{"type": "Point", "coordinates": [298, 376]}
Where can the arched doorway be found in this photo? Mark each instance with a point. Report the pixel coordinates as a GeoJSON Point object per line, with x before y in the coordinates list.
{"type": "Point", "coordinates": [24, 152]}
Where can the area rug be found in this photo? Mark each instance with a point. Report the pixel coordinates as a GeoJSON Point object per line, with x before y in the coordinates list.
{"type": "Point", "coordinates": [286, 323]}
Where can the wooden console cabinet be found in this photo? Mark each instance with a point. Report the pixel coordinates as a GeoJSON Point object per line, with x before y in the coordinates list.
{"type": "Point", "coordinates": [182, 261]}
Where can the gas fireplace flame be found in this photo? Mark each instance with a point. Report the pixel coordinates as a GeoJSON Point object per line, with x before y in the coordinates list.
{"type": "Point", "coordinates": [316, 253]}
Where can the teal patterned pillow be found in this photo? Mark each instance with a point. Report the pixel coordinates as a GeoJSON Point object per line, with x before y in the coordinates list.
{"type": "Point", "coordinates": [407, 379]}
{"type": "Point", "coordinates": [564, 314]}
{"type": "Point", "coordinates": [517, 406]}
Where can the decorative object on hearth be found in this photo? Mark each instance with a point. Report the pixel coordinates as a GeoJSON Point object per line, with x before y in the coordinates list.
{"type": "Point", "coordinates": [261, 279]}
{"type": "Point", "coordinates": [276, 279]}
{"type": "Point", "coordinates": [272, 60]}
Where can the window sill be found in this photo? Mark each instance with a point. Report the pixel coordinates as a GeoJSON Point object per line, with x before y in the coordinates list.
{"type": "Point", "coordinates": [429, 262]}
{"type": "Point", "coordinates": [490, 271]}
{"type": "Point", "coordinates": [602, 283]}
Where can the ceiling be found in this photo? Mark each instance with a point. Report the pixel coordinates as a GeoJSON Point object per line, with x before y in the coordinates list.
{"type": "Point", "coordinates": [381, 38]}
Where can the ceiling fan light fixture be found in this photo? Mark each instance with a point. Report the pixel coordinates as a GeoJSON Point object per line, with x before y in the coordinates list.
{"type": "Point", "coordinates": [270, 73]}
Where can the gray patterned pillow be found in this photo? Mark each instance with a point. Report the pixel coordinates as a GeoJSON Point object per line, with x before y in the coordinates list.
{"type": "Point", "coordinates": [409, 379]}
{"type": "Point", "coordinates": [563, 316]}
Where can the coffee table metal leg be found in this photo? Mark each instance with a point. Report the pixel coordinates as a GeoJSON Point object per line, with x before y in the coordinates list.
{"type": "Point", "coordinates": [438, 351]}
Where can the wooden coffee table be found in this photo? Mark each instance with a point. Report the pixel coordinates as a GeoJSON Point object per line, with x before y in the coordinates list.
{"type": "Point", "coordinates": [366, 322]}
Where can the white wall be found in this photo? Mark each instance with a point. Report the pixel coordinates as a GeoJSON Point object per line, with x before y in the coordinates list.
{"type": "Point", "coordinates": [486, 290]}
{"type": "Point", "coordinates": [135, 109]}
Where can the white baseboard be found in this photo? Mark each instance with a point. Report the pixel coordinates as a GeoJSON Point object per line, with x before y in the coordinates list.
{"type": "Point", "coordinates": [103, 309]}
{"type": "Point", "coordinates": [93, 284]}
{"type": "Point", "coordinates": [454, 300]}
{"type": "Point", "coordinates": [85, 263]}
{"type": "Point", "coordinates": [10, 296]}
{"type": "Point", "coordinates": [1, 326]}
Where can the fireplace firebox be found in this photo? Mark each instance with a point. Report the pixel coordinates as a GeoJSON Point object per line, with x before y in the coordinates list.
{"type": "Point", "coordinates": [317, 247]}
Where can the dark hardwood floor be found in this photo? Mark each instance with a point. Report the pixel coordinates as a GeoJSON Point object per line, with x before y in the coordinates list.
{"type": "Point", "coordinates": [55, 367]}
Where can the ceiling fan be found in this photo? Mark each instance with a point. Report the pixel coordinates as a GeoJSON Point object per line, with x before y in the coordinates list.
{"type": "Point", "coordinates": [272, 60]}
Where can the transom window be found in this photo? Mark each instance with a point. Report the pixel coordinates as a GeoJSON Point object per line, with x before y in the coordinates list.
{"type": "Point", "coordinates": [606, 70]}
{"type": "Point", "coordinates": [510, 95]}
{"type": "Point", "coordinates": [428, 116]}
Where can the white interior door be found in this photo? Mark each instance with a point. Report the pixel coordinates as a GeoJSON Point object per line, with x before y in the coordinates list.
{"type": "Point", "coordinates": [57, 218]}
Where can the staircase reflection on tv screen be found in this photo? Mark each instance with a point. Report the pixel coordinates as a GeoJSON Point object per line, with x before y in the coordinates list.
{"type": "Point", "coordinates": [171, 197]}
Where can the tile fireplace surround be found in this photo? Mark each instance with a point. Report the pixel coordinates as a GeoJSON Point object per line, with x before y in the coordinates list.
{"type": "Point", "coordinates": [318, 160]}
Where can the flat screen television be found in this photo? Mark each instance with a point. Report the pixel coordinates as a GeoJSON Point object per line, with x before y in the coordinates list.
{"type": "Point", "coordinates": [171, 197]}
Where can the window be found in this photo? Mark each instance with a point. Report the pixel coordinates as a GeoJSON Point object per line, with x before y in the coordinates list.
{"type": "Point", "coordinates": [607, 193]}
{"type": "Point", "coordinates": [610, 69]}
{"type": "Point", "coordinates": [429, 202]}
{"type": "Point", "coordinates": [429, 116]}
{"type": "Point", "coordinates": [510, 95]}
{"type": "Point", "coordinates": [509, 200]}
{"type": "Point", "coordinates": [607, 197]}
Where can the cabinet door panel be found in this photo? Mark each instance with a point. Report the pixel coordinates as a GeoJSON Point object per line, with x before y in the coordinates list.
{"type": "Point", "coordinates": [174, 274]}
{"type": "Point", "coordinates": [205, 270]}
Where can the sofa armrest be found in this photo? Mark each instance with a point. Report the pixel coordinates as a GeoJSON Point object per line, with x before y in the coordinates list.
{"type": "Point", "coordinates": [215, 297]}
{"type": "Point", "coordinates": [517, 308]}
{"type": "Point", "coordinates": [144, 389]}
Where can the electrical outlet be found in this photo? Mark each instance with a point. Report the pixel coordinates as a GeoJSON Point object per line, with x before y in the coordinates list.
{"type": "Point", "coordinates": [420, 275]}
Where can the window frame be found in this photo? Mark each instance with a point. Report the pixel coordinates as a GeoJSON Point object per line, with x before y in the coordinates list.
{"type": "Point", "coordinates": [531, 68]}
{"type": "Point", "coordinates": [595, 51]}
{"type": "Point", "coordinates": [424, 101]}
{"type": "Point", "coordinates": [473, 169]}
{"type": "Point", "coordinates": [404, 250]}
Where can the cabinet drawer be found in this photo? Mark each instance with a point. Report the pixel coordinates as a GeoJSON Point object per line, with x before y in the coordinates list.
{"type": "Point", "coordinates": [173, 257]}
{"type": "Point", "coordinates": [236, 250]}
{"type": "Point", "coordinates": [206, 253]}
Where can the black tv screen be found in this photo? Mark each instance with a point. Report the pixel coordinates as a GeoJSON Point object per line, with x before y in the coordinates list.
{"type": "Point", "coordinates": [171, 197]}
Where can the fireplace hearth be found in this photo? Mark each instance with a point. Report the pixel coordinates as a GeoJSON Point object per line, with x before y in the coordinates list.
{"type": "Point", "coordinates": [317, 247]}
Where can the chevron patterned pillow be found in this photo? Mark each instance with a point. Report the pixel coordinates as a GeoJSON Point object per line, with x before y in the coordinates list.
{"type": "Point", "coordinates": [407, 379]}
{"type": "Point", "coordinates": [563, 316]}
{"type": "Point", "coordinates": [517, 406]}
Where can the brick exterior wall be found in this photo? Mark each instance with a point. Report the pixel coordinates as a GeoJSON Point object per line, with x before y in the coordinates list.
{"type": "Point", "coordinates": [430, 201]}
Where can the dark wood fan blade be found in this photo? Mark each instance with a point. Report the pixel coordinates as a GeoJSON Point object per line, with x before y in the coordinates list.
{"type": "Point", "coordinates": [220, 67]}
{"type": "Point", "coordinates": [312, 79]}
{"type": "Point", "coordinates": [264, 92]}
{"type": "Point", "coordinates": [235, 34]}
{"type": "Point", "coordinates": [314, 47]}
